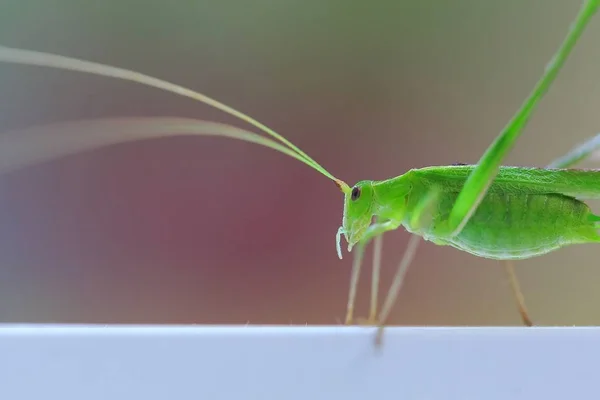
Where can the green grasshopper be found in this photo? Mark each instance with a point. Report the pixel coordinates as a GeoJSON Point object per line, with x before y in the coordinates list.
{"type": "Point", "coordinates": [488, 210]}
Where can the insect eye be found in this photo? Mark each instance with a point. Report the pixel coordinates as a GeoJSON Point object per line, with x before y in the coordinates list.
{"type": "Point", "coordinates": [355, 193]}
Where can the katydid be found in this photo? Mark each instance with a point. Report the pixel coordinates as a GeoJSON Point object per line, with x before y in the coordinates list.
{"type": "Point", "coordinates": [488, 210]}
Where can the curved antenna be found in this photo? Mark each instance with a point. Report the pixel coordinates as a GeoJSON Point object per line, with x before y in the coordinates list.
{"type": "Point", "coordinates": [43, 143]}
{"type": "Point", "coordinates": [28, 57]}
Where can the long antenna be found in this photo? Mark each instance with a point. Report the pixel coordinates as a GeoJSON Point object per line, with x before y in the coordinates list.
{"type": "Point", "coordinates": [28, 57]}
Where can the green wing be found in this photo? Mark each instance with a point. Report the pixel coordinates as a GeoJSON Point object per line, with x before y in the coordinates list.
{"type": "Point", "coordinates": [578, 183]}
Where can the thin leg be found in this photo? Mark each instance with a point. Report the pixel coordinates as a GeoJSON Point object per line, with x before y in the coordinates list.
{"type": "Point", "coordinates": [422, 214]}
{"type": "Point", "coordinates": [377, 251]}
{"type": "Point", "coordinates": [396, 285]}
{"type": "Point", "coordinates": [479, 180]}
{"type": "Point", "coordinates": [373, 232]}
{"type": "Point", "coordinates": [577, 154]}
{"type": "Point", "coordinates": [514, 283]}
{"type": "Point", "coordinates": [356, 263]}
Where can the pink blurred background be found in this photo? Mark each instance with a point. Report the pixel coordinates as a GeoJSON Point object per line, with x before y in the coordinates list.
{"type": "Point", "coordinates": [208, 230]}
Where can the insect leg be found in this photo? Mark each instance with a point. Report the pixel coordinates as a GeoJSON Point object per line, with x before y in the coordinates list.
{"type": "Point", "coordinates": [577, 154]}
{"type": "Point", "coordinates": [374, 231]}
{"type": "Point", "coordinates": [377, 251]}
{"type": "Point", "coordinates": [479, 180]}
{"type": "Point", "coordinates": [376, 272]}
{"type": "Point", "coordinates": [514, 283]}
{"type": "Point", "coordinates": [407, 258]}
{"type": "Point", "coordinates": [421, 216]}
{"type": "Point", "coordinates": [356, 263]}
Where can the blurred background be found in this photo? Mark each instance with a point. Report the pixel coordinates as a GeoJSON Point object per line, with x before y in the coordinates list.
{"type": "Point", "coordinates": [208, 230]}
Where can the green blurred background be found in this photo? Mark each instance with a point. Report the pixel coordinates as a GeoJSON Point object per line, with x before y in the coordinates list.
{"type": "Point", "coordinates": [207, 230]}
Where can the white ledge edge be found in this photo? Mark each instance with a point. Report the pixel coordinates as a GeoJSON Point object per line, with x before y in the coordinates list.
{"type": "Point", "coordinates": [297, 362]}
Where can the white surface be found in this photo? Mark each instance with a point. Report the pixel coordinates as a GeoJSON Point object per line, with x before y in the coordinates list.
{"type": "Point", "coordinates": [288, 363]}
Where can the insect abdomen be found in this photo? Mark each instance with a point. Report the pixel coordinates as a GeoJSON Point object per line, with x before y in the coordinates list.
{"type": "Point", "coordinates": [518, 226]}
